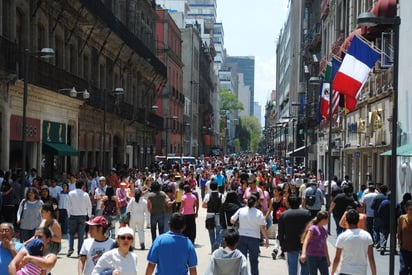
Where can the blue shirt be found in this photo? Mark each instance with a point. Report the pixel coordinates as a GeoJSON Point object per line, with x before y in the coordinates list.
{"type": "Point", "coordinates": [5, 257]}
{"type": "Point", "coordinates": [220, 180]}
{"type": "Point", "coordinates": [173, 253]}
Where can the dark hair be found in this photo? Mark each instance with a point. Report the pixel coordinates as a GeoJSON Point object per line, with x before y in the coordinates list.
{"type": "Point", "coordinates": [384, 188]}
{"type": "Point", "coordinates": [352, 217]}
{"type": "Point", "coordinates": [177, 222]}
{"type": "Point", "coordinates": [251, 201]}
{"type": "Point", "coordinates": [231, 197]}
{"type": "Point", "coordinates": [48, 207]}
{"type": "Point", "coordinates": [293, 201]}
{"type": "Point", "coordinates": [213, 185]}
{"type": "Point", "coordinates": [109, 192]}
{"type": "Point", "coordinates": [231, 237]}
{"type": "Point", "coordinates": [46, 232]}
{"type": "Point", "coordinates": [33, 190]}
{"type": "Point", "coordinates": [79, 184]}
{"type": "Point", "coordinates": [137, 194]}
{"type": "Point", "coordinates": [408, 203]}
{"type": "Point", "coordinates": [186, 188]}
{"type": "Point", "coordinates": [155, 187]}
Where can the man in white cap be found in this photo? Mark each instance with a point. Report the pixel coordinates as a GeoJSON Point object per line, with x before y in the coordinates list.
{"type": "Point", "coordinates": [99, 193]}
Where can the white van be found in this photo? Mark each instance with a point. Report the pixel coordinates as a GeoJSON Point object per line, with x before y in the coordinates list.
{"type": "Point", "coordinates": [185, 160]}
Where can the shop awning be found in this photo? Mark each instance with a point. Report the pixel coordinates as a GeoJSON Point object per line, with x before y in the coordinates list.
{"type": "Point", "coordinates": [403, 151]}
{"type": "Point", "coordinates": [298, 152]}
{"type": "Point", "coordinates": [59, 149]}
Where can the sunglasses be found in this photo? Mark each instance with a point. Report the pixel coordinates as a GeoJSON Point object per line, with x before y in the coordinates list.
{"type": "Point", "coordinates": [129, 238]}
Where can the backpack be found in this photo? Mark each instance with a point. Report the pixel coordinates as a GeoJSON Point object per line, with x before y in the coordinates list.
{"type": "Point", "coordinates": [215, 202]}
{"type": "Point", "coordinates": [310, 197]}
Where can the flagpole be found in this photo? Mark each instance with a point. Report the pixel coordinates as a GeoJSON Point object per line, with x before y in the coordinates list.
{"type": "Point", "coordinates": [330, 160]}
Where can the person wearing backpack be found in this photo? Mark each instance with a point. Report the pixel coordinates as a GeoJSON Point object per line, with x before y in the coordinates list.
{"type": "Point", "coordinates": [213, 203]}
{"type": "Point", "coordinates": [312, 198]}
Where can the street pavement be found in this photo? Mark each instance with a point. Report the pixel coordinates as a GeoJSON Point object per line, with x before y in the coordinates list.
{"type": "Point", "coordinates": [267, 265]}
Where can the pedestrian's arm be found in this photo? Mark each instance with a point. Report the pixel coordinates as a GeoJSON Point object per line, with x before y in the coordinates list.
{"type": "Point", "coordinates": [149, 206]}
{"type": "Point", "coordinates": [332, 205]}
{"type": "Point", "coordinates": [371, 259]}
{"type": "Point", "coordinates": [342, 222]}
{"type": "Point", "coordinates": [336, 260]}
{"type": "Point", "coordinates": [193, 270]}
{"type": "Point", "coordinates": [270, 209]}
{"type": "Point", "coordinates": [15, 262]}
{"type": "Point", "coordinates": [265, 235]}
{"type": "Point", "coordinates": [80, 264]}
{"type": "Point", "coordinates": [150, 268]}
{"type": "Point", "coordinates": [306, 242]}
{"type": "Point", "coordinates": [47, 263]}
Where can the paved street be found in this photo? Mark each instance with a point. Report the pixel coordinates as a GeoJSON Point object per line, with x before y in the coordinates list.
{"type": "Point", "coordinates": [266, 264]}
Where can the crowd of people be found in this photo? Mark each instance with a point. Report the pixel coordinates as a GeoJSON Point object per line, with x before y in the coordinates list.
{"type": "Point", "coordinates": [244, 197]}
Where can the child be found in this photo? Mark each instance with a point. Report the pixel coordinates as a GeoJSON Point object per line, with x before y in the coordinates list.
{"type": "Point", "coordinates": [34, 248]}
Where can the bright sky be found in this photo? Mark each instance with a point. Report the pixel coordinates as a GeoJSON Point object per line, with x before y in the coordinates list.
{"type": "Point", "coordinates": [252, 28]}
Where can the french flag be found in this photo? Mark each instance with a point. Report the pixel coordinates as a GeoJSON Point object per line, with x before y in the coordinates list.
{"type": "Point", "coordinates": [355, 67]}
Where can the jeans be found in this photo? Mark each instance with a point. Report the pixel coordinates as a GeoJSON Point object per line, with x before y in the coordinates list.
{"type": "Point", "coordinates": [190, 230]}
{"type": "Point", "coordinates": [339, 229]}
{"type": "Point", "coordinates": [215, 236]}
{"type": "Point", "coordinates": [157, 220]}
{"type": "Point", "coordinates": [26, 234]}
{"type": "Point", "coordinates": [405, 262]}
{"type": "Point", "coordinates": [316, 263]}
{"type": "Point", "coordinates": [293, 260]}
{"type": "Point", "coordinates": [76, 225]}
{"type": "Point", "coordinates": [63, 220]}
{"type": "Point", "coordinates": [251, 245]}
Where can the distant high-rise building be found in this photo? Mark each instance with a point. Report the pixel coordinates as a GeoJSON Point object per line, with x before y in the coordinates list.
{"type": "Point", "coordinates": [246, 66]}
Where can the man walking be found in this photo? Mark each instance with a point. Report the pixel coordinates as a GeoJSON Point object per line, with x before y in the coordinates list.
{"type": "Point", "coordinates": [312, 198]}
{"type": "Point", "coordinates": [291, 225]}
{"type": "Point", "coordinates": [356, 247]}
{"type": "Point", "coordinates": [79, 209]}
{"type": "Point", "coordinates": [172, 252]}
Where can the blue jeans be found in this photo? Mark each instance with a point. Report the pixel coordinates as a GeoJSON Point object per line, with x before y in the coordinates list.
{"type": "Point", "coordinates": [293, 260]}
{"type": "Point", "coordinates": [251, 245]}
{"type": "Point", "coordinates": [316, 263]}
{"type": "Point", "coordinates": [215, 234]}
{"type": "Point", "coordinates": [405, 262]}
{"type": "Point", "coordinates": [157, 220]}
{"type": "Point", "coordinates": [76, 225]}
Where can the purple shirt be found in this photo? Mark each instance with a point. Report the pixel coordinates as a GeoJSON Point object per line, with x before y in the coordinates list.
{"type": "Point", "coordinates": [316, 246]}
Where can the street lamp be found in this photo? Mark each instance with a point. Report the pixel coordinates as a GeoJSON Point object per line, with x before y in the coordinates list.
{"type": "Point", "coordinates": [167, 133]}
{"type": "Point", "coordinates": [115, 92]}
{"type": "Point", "coordinates": [369, 19]}
{"type": "Point", "coordinates": [45, 53]}
{"type": "Point", "coordinates": [73, 93]}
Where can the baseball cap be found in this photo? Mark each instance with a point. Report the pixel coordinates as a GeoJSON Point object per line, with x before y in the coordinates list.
{"type": "Point", "coordinates": [98, 220]}
{"type": "Point", "coordinates": [124, 231]}
{"type": "Point", "coordinates": [44, 187]}
{"type": "Point", "coordinates": [102, 179]}
{"type": "Point", "coordinates": [123, 183]}
{"type": "Point", "coordinates": [35, 247]}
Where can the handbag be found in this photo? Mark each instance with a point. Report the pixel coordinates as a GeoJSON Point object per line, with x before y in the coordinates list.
{"type": "Point", "coordinates": [279, 212]}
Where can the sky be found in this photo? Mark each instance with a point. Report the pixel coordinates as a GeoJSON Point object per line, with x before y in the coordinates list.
{"type": "Point", "coordinates": [251, 29]}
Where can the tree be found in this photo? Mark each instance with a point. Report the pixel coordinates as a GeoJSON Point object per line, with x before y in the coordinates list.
{"type": "Point", "coordinates": [252, 126]}
{"type": "Point", "coordinates": [229, 102]}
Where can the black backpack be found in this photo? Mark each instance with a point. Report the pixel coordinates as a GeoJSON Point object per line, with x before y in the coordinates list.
{"type": "Point", "coordinates": [310, 197]}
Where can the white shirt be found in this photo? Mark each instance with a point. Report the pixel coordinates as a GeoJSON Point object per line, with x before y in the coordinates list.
{"type": "Point", "coordinates": [55, 191]}
{"type": "Point", "coordinates": [93, 250]}
{"type": "Point", "coordinates": [250, 220]}
{"type": "Point", "coordinates": [354, 244]}
{"type": "Point", "coordinates": [112, 259]}
{"type": "Point", "coordinates": [79, 203]}
{"type": "Point", "coordinates": [137, 210]}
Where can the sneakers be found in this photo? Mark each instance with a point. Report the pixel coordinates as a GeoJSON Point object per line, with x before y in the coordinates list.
{"type": "Point", "coordinates": [281, 256]}
{"type": "Point", "coordinates": [69, 253]}
{"type": "Point", "coordinates": [142, 247]}
{"type": "Point", "coordinates": [274, 254]}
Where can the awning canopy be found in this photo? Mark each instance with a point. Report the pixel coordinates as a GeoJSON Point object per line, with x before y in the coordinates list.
{"type": "Point", "coordinates": [298, 152]}
{"type": "Point", "coordinates": [59, 149]}
{"type": "Point", "coordinates": [403, 151]}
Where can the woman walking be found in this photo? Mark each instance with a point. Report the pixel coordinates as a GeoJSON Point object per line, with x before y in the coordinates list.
{"type": "Point", "coordinates": [189, 209]}
{"type": "Point", "coordinates": [28, 214]}
{"type": "Point", "coordinates": [137, 207]}
{"type": "Point", "coordinates": [111, 209]}
{"type": "Point", "coordinates": [251, 223]}
{"type": "Point", "coordinates": [315, 248]}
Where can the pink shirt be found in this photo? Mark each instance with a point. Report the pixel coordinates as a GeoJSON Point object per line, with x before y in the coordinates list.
{"type": "Point", "coordinates": [188, 204]}
{"type": "Point", "coordinates": [249, 192]}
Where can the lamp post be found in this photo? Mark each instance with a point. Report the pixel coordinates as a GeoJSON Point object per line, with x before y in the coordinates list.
{"type": "Point", "coordinates": [115, 92]}
{"type": "Point", "coordinates": [167, 133]}
{"type": "Point", "coordinates": [73, 92]}
{"type": "Point", "coordinates": [45, 53]}
{"type": "Point", "coordinates": [369, 19]}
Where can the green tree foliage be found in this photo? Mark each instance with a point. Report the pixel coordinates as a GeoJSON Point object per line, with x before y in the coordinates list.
{"type": "Point", "coordinates": [229, 101]}
{"type": "Point", "coordinates": [252, 126]}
